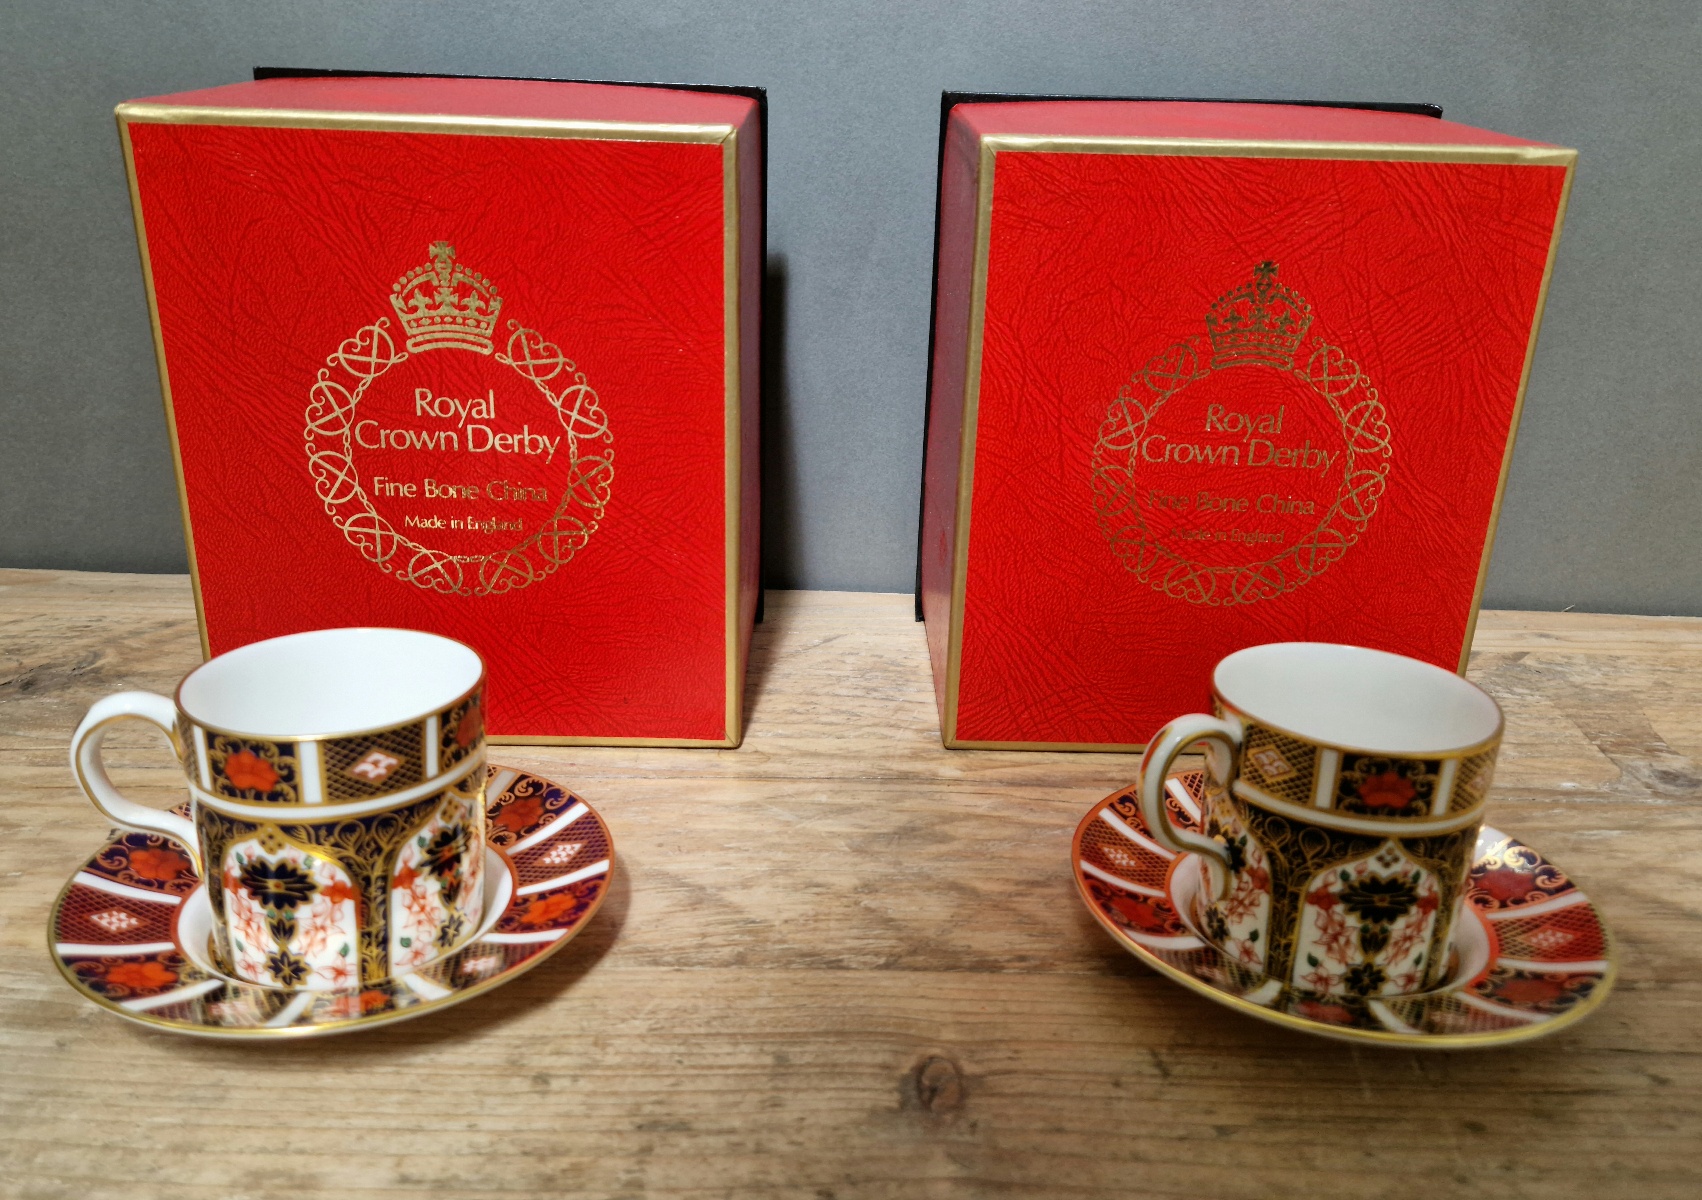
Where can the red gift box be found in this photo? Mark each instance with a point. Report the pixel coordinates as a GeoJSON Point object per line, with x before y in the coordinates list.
{"type": "Point", "coordinates": [471, 356]}
{"type": "Point", "coordinates": [1207, 375]}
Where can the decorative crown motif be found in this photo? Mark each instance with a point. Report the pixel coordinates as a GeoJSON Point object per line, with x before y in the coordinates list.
{"type": "Point", "coordinates": [442, 303]}
{"type": "Point", "coordinates": [1259, 323]}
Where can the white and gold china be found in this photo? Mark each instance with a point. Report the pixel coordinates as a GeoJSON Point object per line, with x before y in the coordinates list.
{"type": "Point", "coordinates": [1533, 953]}
{"type": "Point", "coordinates": [133, 928]}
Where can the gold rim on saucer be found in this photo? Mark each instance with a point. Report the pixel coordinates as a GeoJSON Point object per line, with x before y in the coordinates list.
{"type": "Point", "coordinates": [1535, 955]}
{"type": "Point", "coordinates": [128, 930]}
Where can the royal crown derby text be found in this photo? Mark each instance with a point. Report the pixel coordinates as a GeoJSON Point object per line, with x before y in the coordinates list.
{"type": "Point", "coordinates": [1246, 428]}
{"type": "Point", "coordinates": [1253, 444]}
{"type": "Point", "coordinates": [470, 436]}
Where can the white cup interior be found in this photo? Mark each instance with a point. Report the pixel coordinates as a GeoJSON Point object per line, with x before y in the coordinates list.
{"type": "Point", "coordinates": [1358, 699]}
{"type": "Point", "coordinates": [329, 682]}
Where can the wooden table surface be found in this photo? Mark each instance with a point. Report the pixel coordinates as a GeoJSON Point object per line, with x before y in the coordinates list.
{"type": "Point", "coordinates": [843, 962]}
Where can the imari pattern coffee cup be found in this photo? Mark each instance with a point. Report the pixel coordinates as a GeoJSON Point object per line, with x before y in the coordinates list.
{"type": "Point", "coordinates": [337, 805]}
{"type": "Point", "coordinates": [1344, 792]}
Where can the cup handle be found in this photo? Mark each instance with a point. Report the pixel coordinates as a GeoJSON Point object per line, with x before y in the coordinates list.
{"type": "Point", "coordinates": [1172, 740]}
{"type": "Point", "coordinates": [90, 769]}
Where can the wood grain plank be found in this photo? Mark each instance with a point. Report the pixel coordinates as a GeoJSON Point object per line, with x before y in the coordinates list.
{"type": "Point", "coordinates": [843, 962]}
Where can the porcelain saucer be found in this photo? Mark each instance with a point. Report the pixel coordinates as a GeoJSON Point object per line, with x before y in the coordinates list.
{"type": "Point", "coordinates": [130, 929]}
{"type": "Point", "coordinates": [1533, 953]}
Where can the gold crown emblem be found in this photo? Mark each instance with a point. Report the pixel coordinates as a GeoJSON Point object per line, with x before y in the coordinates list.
{"type": "Point", "coordinates": [1259, 323]}
{"type": "Point", "coordinates": [442, 303]}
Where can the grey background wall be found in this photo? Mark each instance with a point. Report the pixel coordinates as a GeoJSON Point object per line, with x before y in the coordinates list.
{"type": "Point", "coordinates": [1604, 507]}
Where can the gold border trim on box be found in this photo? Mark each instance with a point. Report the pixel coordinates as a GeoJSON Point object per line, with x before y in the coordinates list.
{"type": "Point", "coordinates": [165, 380]}
{"type": "Point", "coordinates": [994, 144]}
{"type": "Point", "coordinates": [312, 118]}
{"type": "Point", "coordinates": [715, 134]}
{"type": "Point", "coordinates": [1553, 156]}
{"type": "Point", "coordinates": [1067, 747]}
{"type": "Point", "coordinates": [1518, 412]}
{"type": "Point", "coordinates": [984, 171]}
{"type": "Point", "coordinates": [732, 472]}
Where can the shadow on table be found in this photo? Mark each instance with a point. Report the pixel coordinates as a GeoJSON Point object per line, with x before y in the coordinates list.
{"type": "Point", "coordinates": [759, 667]}
{"type": "Point", "coordinates": [779, 544]}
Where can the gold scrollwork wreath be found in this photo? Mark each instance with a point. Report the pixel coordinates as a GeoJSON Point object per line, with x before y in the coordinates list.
{"type": "Point", "coordinates": [335, 396]}
{"type": "Point", "coordinates": [1365, 432]}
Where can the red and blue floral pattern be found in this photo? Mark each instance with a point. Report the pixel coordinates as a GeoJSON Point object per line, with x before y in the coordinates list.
{"type": "Point", "coordinates": [116, 924]}
{"type": "Point", "coordinates": [1548, 961]}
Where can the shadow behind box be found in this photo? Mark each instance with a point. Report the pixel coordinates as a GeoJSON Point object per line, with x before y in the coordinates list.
{"type": "Point", "coordinates": [1096, 261]}
{"type": "Point", "coordinates": [338, 260]}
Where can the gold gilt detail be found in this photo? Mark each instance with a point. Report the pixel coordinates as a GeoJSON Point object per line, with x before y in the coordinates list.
{"type": "Point", "coordinates": [460, 731]}
{"type": "Point", "coordinates": [1259, 325]}
{"type": "Point", "coordinates": [446, 307]}
{"type": "Point", "coordinates": [254, 770]}
{"type": "Point", "coordinates": [1471, 785]}
{"type": "Point", "coordinates": [1284, 766]}
{"type": "Point", "coordinates": [374, 764]}
{"type": "Point", "coordinates": [1296, 852]}
{"type": "Point", "coordinates": [1398, 789]}
{"type": "Point", "coordinates": [364, 846]}
{"type": "Point", "coordinates": [445, 304]}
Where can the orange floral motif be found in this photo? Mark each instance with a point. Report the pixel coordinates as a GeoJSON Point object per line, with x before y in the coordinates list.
{"type": "Point", "coordinates": [1335, 1014]}
{"type": "Point", "coordinates": [246, 769]}
{"type": "Point", "coordinates": [141, 975]}
{"type": "Point", "coordinates": [1139, 912]}
{"type": "Point", "coordinates": [1250, 889]}
{"type": "Point", "coordinates": [339, 890]}
{"type": "Point", "coordinates": [547, 908]}
{"type": "Point", "coordinates": [517, 816]}
{"type": "Point", "coordinates": [403, 880]}
{"type": "Point", "coordinates": [1505, 883]}
{"type": "Point", "coordinates": [468, 729]}
{"type": "Point", "coordinates": [1386, 790]}
{"type": "Point", "coordinates": [1318, 980]}
{"type": "Point", "coordinates": [1530, 991]}
{"type": "Point", "coordinates": [421, 908]}
{"type": "Point", "coordinates": [372, 999]}
{"type": "Point", "coordinates": [162, 865]}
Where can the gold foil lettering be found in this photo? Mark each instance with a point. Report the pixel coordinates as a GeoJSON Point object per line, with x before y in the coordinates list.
{"type": "Point", "coordinates": [1305, 457]}
{"type": "Point", "coordinates": [482, 439]}
{"type": "Point", "coordinates": [369, 436]}
{"type": "Point", "coordinates": [1219, 418]}
{"type": "Point", "coordinates": [1157, 448]}
{"type": "Point", "coordinates": [450, 408]}
{"type": "Point", "coordinates": [501, 489]}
